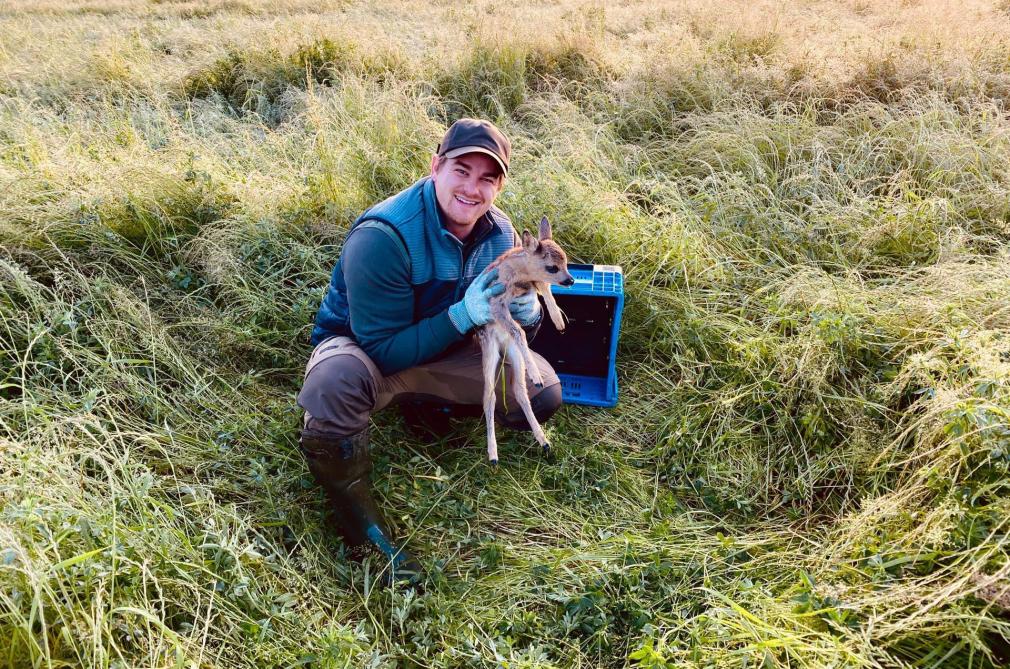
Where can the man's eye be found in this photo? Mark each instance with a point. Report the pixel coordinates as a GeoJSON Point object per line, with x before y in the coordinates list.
{"type": "Point", "coordinates": [552, 269]}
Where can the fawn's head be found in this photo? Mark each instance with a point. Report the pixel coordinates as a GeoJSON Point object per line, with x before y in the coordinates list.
{"type": "Point", "coordinates": [546, 261]}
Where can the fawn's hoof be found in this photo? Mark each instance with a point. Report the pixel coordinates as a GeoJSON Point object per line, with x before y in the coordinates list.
{"type": "Point", "coordinates": [539, 385]}
{"type": "Point", "coordinates": [493, 463]}
{"type": "Point", "coordinates": [547, 450]}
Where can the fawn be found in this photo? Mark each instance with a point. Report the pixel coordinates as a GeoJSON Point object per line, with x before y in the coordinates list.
{"type": "Point", "coordinates": [534, 265]}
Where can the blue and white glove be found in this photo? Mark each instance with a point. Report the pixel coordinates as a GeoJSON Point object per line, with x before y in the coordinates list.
{"type": "Point", "coordinates": [525, 308]}
{"type": "Point", "coordinates": [475, 307]}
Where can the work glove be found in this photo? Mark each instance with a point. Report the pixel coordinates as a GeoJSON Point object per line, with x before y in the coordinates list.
{"type": "Point", "coordinates": [475, 307]}
{"type": "Point", "coordinates": [525, 308]}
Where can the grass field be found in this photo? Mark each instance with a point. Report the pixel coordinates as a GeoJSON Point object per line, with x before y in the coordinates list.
{"type": "Point", "coordinates": [809, 463]}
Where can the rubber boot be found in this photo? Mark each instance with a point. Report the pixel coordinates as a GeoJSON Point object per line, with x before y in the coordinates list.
{"type": "Point", "coordinates": [341, 465]}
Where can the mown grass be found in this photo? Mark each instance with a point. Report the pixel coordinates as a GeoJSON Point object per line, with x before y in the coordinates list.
{"type": "Point", "coordinates": [809, 463]}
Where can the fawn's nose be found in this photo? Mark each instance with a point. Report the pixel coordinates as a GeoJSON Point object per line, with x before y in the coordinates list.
{"type": "Point", "coordinates": [567, 282]}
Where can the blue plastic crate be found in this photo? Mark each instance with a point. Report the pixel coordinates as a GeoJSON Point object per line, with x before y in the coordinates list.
{"type": "Point", "coordinates": [585, 356]}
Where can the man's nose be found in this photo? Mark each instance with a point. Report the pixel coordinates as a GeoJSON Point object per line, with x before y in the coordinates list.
{"type": "Point", "coordinates": [470, 186]}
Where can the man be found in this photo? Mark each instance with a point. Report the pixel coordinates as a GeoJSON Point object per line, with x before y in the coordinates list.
{"type": "Point", "coordinates": [405, 295]}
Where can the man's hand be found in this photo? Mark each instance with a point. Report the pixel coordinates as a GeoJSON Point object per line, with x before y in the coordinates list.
{"type": "Point", "coordinates": [525, 308]}
{"type": "Point", "coordinates": [475, 307]}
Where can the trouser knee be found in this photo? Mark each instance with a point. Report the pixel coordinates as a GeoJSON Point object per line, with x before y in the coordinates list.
{"type": "Point", "coordinates": [338, 396]}
{"type": "Point", "coordinates": [544, 404]}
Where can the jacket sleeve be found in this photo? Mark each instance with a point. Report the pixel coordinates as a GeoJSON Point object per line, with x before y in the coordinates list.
{"type": "Point", "coordinates": [381, 304]}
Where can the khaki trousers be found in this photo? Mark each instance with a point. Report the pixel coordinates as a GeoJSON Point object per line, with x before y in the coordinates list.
{"type": "Point", "coordinates": [343, 386]}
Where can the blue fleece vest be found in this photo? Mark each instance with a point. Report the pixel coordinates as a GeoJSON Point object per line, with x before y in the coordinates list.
{"type": "Point", "coordinates": [439, 274]}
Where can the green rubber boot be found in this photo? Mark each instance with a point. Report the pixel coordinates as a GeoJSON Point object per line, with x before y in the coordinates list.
{"type": "Point", "coordinates": [341, 465]}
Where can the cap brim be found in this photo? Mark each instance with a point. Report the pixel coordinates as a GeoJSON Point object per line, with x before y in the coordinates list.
{"type": "Point", "coordinates": [477, 149]}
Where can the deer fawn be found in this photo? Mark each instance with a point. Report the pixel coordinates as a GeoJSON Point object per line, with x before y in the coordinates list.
{"type": "Point", "coordinates": [534, 265]}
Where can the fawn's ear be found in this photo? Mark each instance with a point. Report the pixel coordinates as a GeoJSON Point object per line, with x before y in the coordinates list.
{"type": "Point", "coordinates": [530, 243]}
{"type": "Point", "coordinates": [545, 228]}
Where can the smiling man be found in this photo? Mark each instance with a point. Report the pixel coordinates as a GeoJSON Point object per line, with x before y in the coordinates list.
{"type": "Point", "coordinates": [408, 289]}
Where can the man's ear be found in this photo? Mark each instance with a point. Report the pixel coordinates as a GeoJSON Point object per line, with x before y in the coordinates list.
{"type": "Point", "coordinates": [434, 163]}
{"type": "Point", "coordinates": [530, 243]}
{"type": "Point", "coordinates": [545, 228]}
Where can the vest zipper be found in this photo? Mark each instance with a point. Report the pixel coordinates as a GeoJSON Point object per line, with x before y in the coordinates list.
{"type": "Point", "coordinates": [462, 269]}
{"type": "Point", "coordinates": [464, 257]}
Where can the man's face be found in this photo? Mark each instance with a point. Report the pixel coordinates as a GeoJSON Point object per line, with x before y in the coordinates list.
{"type": "Point", "coordinates": [465, 186]}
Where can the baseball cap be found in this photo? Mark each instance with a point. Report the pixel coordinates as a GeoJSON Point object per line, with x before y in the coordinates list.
{"type": "Point", "coordinates": [471, 135]}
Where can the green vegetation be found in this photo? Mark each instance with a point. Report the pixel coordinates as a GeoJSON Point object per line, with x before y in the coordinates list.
{"type": "Point", "coordinates": [810, 464]}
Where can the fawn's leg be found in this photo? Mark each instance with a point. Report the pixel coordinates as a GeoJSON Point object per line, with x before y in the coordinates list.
{"type": "Point", "coordinates": [490, 349]}
{"type": "Point", "coordinates": [518, 336]}
{"type": "Point", "coordinates": [519, 390]}
{"type": "Point", "coordinates": [532, 368]}
{"type": "Point", "coordinates": [552, 306]}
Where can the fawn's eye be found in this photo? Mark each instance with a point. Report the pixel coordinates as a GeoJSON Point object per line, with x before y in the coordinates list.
{"type": "Point", "coordinates": [552, 269]}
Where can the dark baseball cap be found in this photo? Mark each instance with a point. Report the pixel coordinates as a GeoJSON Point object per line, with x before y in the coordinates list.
{"type": "Point", "coordinates": [471, 135]}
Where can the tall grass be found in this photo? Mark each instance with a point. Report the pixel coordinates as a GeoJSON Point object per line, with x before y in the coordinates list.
{"type": "Point", "coordinates": [809, 463]}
